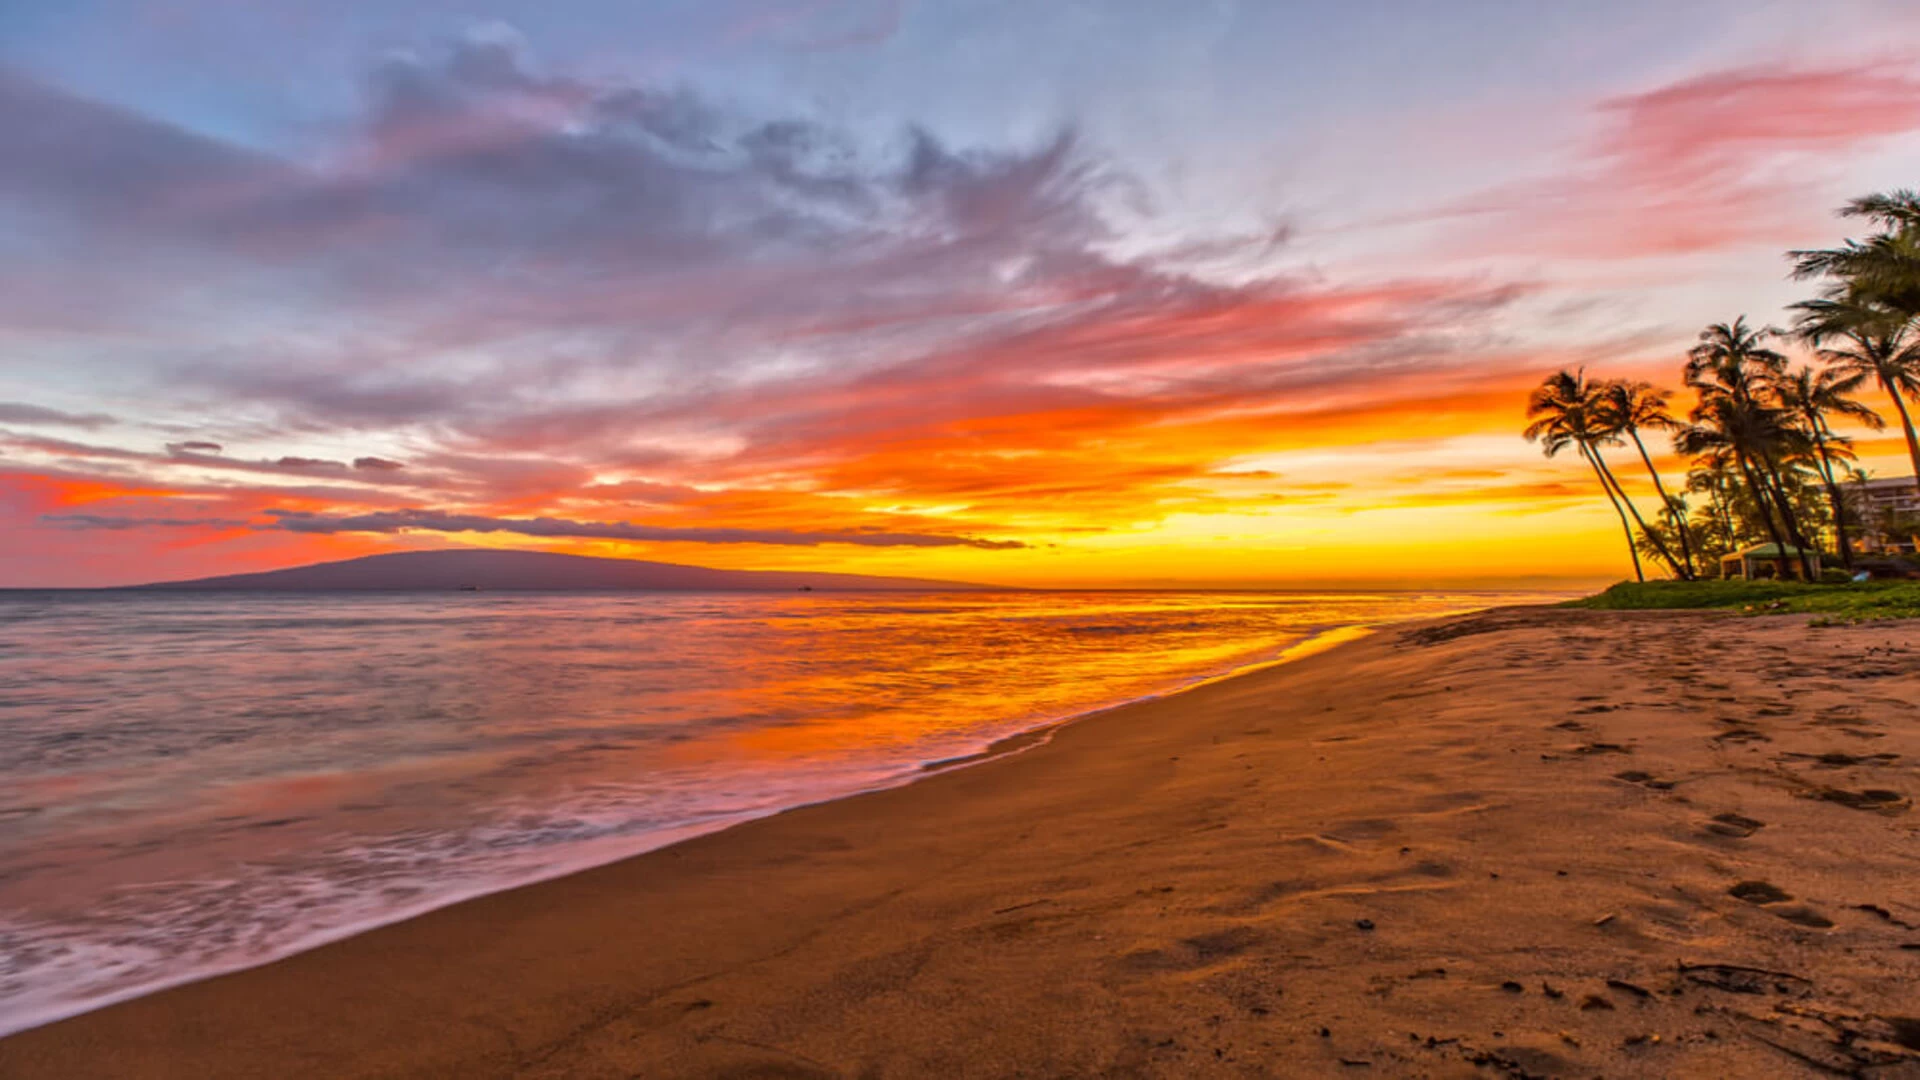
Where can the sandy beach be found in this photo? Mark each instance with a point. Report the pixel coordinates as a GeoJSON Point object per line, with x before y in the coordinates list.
{"type": "Point", "coordinates": [1527, 842]}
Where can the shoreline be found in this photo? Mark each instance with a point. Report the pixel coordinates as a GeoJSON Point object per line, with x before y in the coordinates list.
{"type": "Point", "coordinates": [1314, 640]}
{"type": "Point", "coordinates": [916, 885]}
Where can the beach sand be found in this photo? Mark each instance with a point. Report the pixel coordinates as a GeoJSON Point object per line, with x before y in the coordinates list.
{"type": "Point", "coordinates": [1522, 843]}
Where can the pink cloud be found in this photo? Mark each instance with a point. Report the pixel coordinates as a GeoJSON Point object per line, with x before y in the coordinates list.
{"type": "Point", "coordinates": [1727, 159]}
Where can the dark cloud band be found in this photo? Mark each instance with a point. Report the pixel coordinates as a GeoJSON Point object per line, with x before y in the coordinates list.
{"type": "Point", "coordinates": [415, 520]}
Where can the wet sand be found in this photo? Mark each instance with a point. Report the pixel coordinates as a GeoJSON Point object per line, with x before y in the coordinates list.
{"type": "Point", "coordinates": [1522, 843]}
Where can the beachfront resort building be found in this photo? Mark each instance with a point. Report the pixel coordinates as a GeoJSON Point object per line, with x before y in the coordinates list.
{"type": "Point", "coordinates": [1889, 514]}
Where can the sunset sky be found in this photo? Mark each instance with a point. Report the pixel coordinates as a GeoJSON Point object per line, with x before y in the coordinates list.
{"type": "Point", "coordinates": [1088, 292]}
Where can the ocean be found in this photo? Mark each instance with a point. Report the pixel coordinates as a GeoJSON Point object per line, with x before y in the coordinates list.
{"type": "Point", "coordinates": [193, 783]}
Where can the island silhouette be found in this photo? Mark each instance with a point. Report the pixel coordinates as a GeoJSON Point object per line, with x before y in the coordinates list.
{"type": "Point", "coordinates": [482, 570]}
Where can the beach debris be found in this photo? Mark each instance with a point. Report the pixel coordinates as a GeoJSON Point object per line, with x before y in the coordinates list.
{"type": "Point", "coordinates": [1602, 748]}
{"type": "Point", "coordinates": [1356, 1062]}
{"type": "Point", "coordinates": [1605, 919]}
{"type": "Point", "coordinates": [1567, 1037]}
{"type": "Point", "coordinates": [1839, 1041]}
{"type": "Point", "coordinates": [1326, 1033]}
{"type": "Point", "coordinates": [1642, 1040]}
{"type": "Point", "coordinates": [1594, 1001]}
{"type": "Point", "coordinates": [1631, 988]}
{"type": "Point", "coordinates": [1741, 979]}
{"type": "Point", "coordinates": [1364, 924]}
{"type": "Point", "coordinates": [1512, 987]}
{"type": "Point", "coordinates": [1505, 1063]}
{"type": "Point", "coordinates": [1759, 892]}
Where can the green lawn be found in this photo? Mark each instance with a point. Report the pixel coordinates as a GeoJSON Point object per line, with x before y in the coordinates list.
{"type": "Point", "coordinates": [1864, 600]}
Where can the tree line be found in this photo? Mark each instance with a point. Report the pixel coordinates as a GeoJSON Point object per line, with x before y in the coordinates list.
{"type": "Point", "coordinates": [1766, 465]}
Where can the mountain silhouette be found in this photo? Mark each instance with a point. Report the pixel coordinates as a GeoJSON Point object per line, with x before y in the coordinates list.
{"type": "Point", "coordinates": [473, 569]}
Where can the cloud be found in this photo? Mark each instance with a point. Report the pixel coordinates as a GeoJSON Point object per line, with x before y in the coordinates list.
{"type": "Point", "coordinates": [580, 301]}
{"type": "Point", "coordinates": [1725, 159]}
{"type": "Point", "coordinates": [194, 446]}
{"type": "Point", "coordinates": [442, 521]}
{"type": "Point", "coordinates": [19, 412]}
{"type": "Point", "coordinates": [115, 522]}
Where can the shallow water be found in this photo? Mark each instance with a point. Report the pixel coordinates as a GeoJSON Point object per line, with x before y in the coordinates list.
{"type": "Point", "coordinates": [191, 783]}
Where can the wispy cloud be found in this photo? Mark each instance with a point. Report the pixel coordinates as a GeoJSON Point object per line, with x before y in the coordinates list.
{"type": "Point", "coordinates": [1727, 159]}
{"type": "Point", "coordinates": [18, 412]}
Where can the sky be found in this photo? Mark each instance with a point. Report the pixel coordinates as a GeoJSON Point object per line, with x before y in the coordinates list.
{"type": "Point", "coordinates": [1084, 293]}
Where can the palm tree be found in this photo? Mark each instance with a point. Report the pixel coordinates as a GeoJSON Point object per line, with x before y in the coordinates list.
{"type": "Point", "coordinates": [1630, 407]}
{"type": "Point", "coordinates": [1724, 425]}
{"type": "Point", "coordinates": [1565, 412]}
{"type": "Point", "coordinates": [1872, 341]}
{"type": "Point", "coordinates": [1813, 396]}
{"type": "Point", "coordinates": [1735, 374]}
{"type": "Point", "coordinates": [1884, 269]}
{"type": "Point", "coordinates": [1733, 359]}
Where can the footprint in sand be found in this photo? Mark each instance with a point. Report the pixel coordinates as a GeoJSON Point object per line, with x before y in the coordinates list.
{"type": "Point", "coordinates": [1766, 894]}
{"type": "Point", "coordinates": [1644, 779]}
{"type": "Point", "coordinates": [1734, 825]}
{"type": "Point", "coordinates": [1804, 916]}
{"type": "Point", "coordinates": [1759, 892]}
{"type": "Point", "coordinates": [1199, 951]}
{"type": "Point", "coordinates": [1878, 799]}
{"type": "Point", "coordinates": [1837, 760]}
{"type": "Point", "coordinates": [1602, 748]}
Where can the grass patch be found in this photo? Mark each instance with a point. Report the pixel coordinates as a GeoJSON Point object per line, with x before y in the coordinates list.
{"type": "Point", "coordinates": [1845, 603]}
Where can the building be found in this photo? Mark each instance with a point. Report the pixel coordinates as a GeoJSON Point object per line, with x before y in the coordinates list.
{"type": "Point", "coordinates": [1888, 511]}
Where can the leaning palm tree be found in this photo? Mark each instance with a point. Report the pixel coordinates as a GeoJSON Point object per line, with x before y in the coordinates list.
{"type": "Point", "coordinates": [1874, 341]}
{"type": "Point", "coordinates": [1813, 397]}
{"type": "Point", "coordinates": [1632, 406]}
{"type": "Point", "coordinates": [1565, 412]}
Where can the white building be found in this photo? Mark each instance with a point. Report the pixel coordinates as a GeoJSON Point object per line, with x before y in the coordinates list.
{"type": "Point", "coordinates": [1884, 507]}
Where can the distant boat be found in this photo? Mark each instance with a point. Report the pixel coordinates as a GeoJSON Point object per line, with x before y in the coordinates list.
{"type": "Point", "coordinates": [469, 588]}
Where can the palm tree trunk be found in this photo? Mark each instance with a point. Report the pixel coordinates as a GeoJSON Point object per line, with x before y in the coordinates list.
{"type": "Point", "coordinates": [1833, 496]}
{"type": "Point", "coordinates": [1679, 522]}
{"type": "Point", "coordinates": [1791, 520]}
{"type": "Point", "coordinates": [1906, 425]}
{"type": "Point", "coordinates": [1659, 545]}
{"type": "Point", "coordinates": [1766, 514]}
{"type": "Point", "coordinates": [1720, 513]}
{"type": "Point", "coordinates": [1725, 507]}
{"type": "Point", "coordinates": [1592, 459]}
